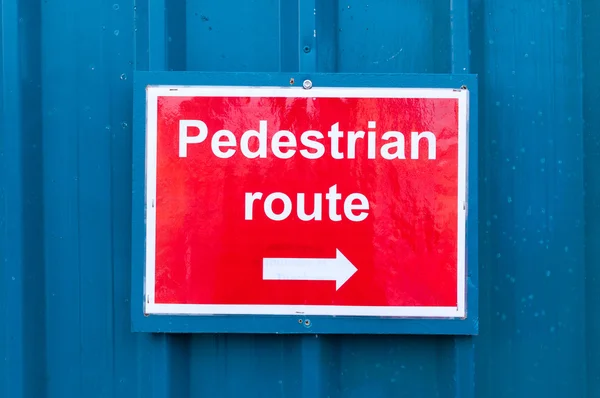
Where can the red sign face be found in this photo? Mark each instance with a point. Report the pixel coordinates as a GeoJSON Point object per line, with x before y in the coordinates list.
{"type": "Point", "coordinates": [324, 201]}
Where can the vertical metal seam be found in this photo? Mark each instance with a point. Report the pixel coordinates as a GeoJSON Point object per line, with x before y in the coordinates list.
{"type": "Point", "coordinates": [459, 28]}
{"type": "Point", "coordinates": [288, 36]}
{"type": "Point", "coordinates": [464, 348]}
{"type": "Point", "coordinates": [12, 186]}
{"type": "Point", "coordinates": [161, 368]}
{"type": "Point", "coordinates": [581, 63]}
{"type": "Point", "coordinates": [311, 345]}
{"type": "Point", "coordinates": [157, 35]}
{"type": "Point", "coordinates": [307, 28]}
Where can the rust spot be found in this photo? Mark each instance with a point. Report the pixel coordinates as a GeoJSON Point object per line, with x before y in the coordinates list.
{"type": "Point", "coordinates": [292, 80]}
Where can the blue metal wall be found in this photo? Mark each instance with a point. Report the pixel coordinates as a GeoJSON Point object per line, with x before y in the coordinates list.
{"type": "Point", "coordinates": [65, 195]}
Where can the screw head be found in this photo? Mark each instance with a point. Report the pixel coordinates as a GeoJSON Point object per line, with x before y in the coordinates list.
{"type": "Point", "coordinates": [307, 84]}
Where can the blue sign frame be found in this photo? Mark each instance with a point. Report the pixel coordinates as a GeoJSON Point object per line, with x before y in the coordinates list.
{"type": "Point", "coordinates": [298, 324]}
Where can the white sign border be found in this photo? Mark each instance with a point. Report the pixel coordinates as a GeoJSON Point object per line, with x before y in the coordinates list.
{"type": "Point", "coordinates": [152, 308]}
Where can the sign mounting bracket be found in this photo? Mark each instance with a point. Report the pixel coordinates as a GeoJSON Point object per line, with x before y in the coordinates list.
{"type": "Point", "coordinates": [343, 201]}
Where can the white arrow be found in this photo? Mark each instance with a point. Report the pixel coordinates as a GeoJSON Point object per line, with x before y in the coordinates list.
{"type": "Point", "coordinates": [338, 269]}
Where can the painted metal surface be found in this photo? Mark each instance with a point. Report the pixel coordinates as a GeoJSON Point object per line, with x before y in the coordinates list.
{"type": "Point", "coordinates": [65, 190]}
{"type": "Point", "coordinates": [201, 240]}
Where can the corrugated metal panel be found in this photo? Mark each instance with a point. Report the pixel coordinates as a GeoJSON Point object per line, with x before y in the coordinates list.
{"type": "Point", "coordinates": [65, 155]}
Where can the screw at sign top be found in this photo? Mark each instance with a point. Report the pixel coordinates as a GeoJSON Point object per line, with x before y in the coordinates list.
{"type": "Point", "coordinates": [307, 84]}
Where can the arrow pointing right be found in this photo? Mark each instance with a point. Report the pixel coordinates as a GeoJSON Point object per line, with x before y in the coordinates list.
{"type": "Point", "coordinates": [338, 269]}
